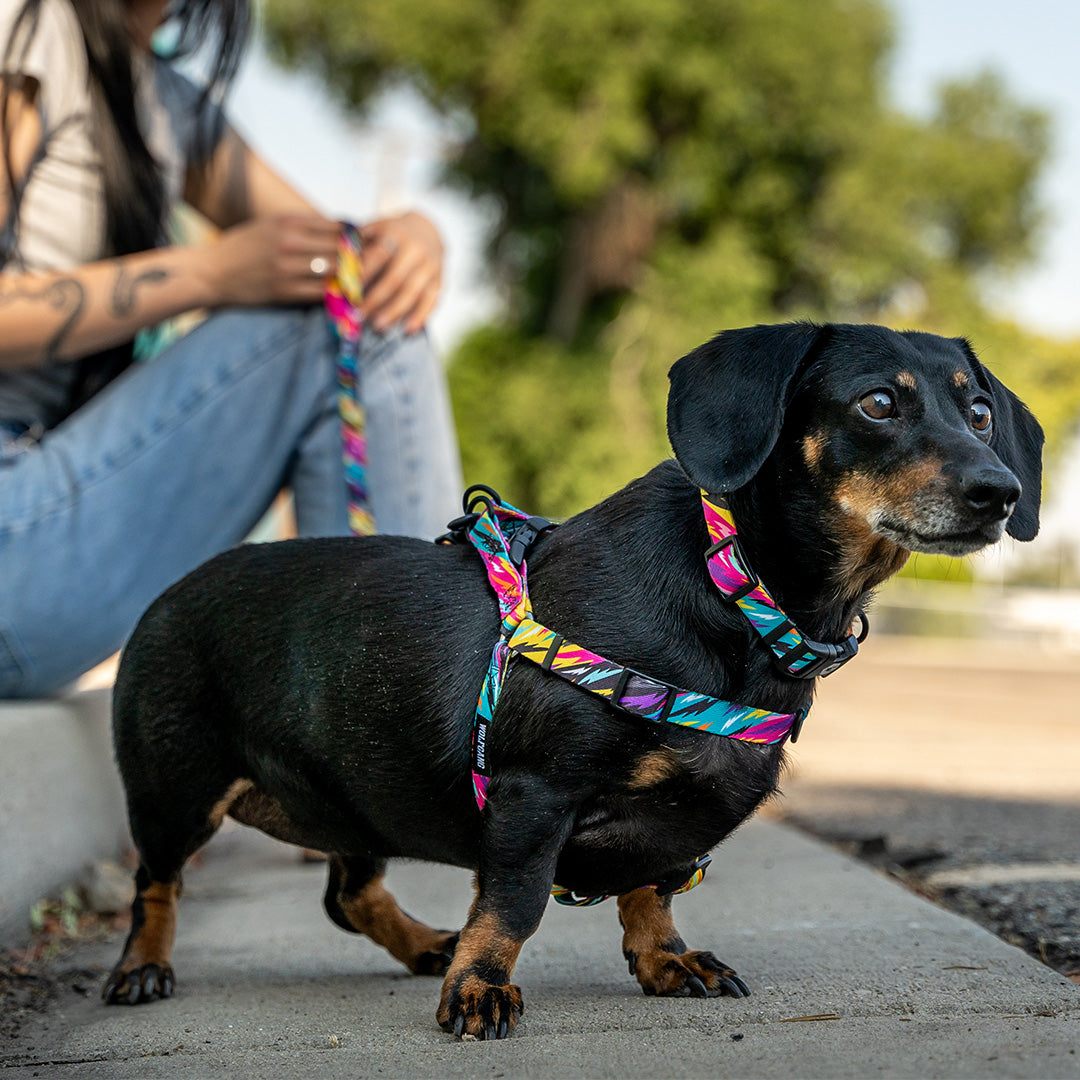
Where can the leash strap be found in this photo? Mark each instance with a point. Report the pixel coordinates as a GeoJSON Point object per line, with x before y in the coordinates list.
{"type": "Point", "coordinates": [793, 652]}
{"type": "Point", "coordinates": [343, 295]}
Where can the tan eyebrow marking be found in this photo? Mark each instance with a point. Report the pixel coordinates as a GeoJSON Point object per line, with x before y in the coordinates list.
{"type": "Point", "coordinates": [813, 446]}
{"type": "Point", "coordinates": [905, 378]}
{"type": "Point", "coordinates": [960, 378]}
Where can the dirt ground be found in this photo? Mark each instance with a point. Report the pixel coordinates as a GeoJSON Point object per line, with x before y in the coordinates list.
{"type": "Point", "coordinates": [956, 767]}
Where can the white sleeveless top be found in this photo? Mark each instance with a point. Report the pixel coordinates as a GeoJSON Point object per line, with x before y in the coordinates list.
{"type": "Point", "coordinates": [61, 220]}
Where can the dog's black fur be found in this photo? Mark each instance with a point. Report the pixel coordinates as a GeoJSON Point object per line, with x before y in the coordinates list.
{"type": "Point", "coordinates": [324, 690]}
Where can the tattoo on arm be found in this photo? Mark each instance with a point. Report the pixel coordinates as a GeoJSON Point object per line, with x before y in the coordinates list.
{"type": "Point", "coordinates": [65, 295]}
{"type": "Point", "coordinates": [123, 293]}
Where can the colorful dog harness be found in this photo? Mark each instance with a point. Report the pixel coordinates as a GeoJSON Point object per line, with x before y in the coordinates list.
{"type": "Point", "coordinates": [342, 297]}
{"type": "Point", "coordinates": [503, 535]}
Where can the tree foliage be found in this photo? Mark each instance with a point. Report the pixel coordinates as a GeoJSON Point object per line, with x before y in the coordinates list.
{"type": "Point", "coordinates": [666, 168]}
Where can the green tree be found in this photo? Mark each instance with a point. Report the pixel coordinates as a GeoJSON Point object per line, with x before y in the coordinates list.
{"type": "Point", "coordinates": [666, 168]}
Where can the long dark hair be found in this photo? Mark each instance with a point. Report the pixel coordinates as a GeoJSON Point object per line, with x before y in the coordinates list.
{"type": "Point", "coordinates": [135, 208]}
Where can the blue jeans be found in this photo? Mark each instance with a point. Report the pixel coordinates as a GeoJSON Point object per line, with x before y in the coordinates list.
{"type": "Point", "coordinates": [180, 457]}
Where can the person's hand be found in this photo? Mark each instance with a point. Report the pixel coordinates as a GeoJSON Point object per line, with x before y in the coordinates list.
{"type": "Point", "coordinates": [402, 271]}
{"type": "Point", "coordinates": [273, 260]}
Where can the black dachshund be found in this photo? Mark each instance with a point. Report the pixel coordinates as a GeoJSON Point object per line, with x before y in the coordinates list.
{"type": "Point", "coordinates": [324, 690]}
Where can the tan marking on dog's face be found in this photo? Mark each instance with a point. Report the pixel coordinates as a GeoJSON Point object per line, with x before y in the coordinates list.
{"type": "Point", "coordinates": [868, 559]}
{"type": "Point", "coordinates": [222, 806]}
{"type": "Point", "coordinates": [906, 379]}
{"type": "Point", "coordinates": [813, 446]}
{"type": "Point", "coordinates": [651, 769]}
{"type": "Point", "coordinates": [961, 380]}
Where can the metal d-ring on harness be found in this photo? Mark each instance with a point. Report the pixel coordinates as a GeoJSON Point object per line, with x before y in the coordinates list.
{"type": "Point", "coordinates": [503, 535]}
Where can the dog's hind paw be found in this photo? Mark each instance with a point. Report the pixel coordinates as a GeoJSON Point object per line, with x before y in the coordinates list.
{"type": "Point", "coordinates": [436, 962]}
{"type": "Point", "coordinates": [691, 974]}
{"type": "Point", "coordinates": [139, 985]}
{"type": "Point", "coordinates": [477, 1010]}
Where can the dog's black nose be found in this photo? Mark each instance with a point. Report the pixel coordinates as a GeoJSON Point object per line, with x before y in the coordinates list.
{"type": "Point", "coordinates": [991, 492]}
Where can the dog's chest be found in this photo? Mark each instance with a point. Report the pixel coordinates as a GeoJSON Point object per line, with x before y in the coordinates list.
{"type": "Point", "coordinates": [670, 808]}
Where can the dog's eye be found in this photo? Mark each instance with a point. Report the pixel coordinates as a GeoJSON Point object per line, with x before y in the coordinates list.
{"type": "Point", "coordinates": [981, 418]}
{"type": "Point", "coordinates": [878, 406]}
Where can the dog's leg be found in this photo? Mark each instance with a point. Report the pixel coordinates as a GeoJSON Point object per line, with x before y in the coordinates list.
{"type": "Point", "coordinates": [358, 902]}
{"type": "Point", "coordinates": [166, 832]}
{"type": "Point", "coordinates": [523, 834]}
{"type": "Point", "coordinates": [659, 957]}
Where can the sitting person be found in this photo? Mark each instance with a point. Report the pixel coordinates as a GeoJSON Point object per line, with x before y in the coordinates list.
{"type": "Point", "coordinates": [117, 478]}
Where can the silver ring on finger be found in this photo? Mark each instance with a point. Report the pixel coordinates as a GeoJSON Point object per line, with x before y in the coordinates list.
{"type": "Point", "coordinates": [319, 265]}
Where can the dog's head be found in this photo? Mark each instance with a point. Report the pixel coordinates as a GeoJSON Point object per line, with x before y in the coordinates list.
{"type": "Point", "coordinates": [906, 437]}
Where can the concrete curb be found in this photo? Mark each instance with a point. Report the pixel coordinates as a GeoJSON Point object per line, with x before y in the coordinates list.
{"type": "Point", "coordinates": [61, 801]}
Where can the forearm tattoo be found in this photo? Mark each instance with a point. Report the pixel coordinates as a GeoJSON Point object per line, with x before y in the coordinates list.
{"type": "Point", "coordinates": [64, 295]}
{"type": "Point", "coordinates": [123, 292]}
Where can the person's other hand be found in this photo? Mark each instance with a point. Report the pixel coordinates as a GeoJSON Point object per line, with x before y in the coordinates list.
{"type": "Point", "coordinates": [273, 260]}
{"type": "Point", "coordinates": [402, 271]}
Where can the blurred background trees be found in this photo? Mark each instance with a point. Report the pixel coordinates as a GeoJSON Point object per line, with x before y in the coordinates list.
{"type": "Point", "coordinates": [663, 169]}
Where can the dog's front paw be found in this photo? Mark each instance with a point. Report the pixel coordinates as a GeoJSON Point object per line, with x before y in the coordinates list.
{"type": "Point", "coordinates": [689, 974]}
{"type": "Point", "coordinates": [474, 1009]}
{"type": "Point", "coordinates": [139, 985]}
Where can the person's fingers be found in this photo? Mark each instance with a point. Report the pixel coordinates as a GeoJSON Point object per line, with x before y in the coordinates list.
{"type": "Point", "coordinates": [301, 289]}
{"type": "Point", "coordinates": [376, 258]}
{"type": "Point", "coordinates": [323, 229]}
{"type": "Point", "coordinates": [425, 305]}
{"type": "Point", "coordinates": [402, 302]}
{"type": "Point", "coordinates": [405, 263]}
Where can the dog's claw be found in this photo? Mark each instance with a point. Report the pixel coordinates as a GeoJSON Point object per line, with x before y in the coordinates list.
{"type": "Point", "coordinates": [734, 986]}
{"type": "Point", "coordinates": [138, 986]}
{"type": "Point", "coordinates": [695, 987]}
{"type": "Point", "coordinates": [482, 1011]}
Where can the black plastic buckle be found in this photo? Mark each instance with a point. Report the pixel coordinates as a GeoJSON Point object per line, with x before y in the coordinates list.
{"type": "Point", "coordinates": [666, 886]}
{"type": "Point", "coordinates": [797, 723]}
{"type": "Point", "coordinates": [458, 530]}
{"type": "Point", "coordinates": [670, 693]}
{"type": "Point", "coordinates": [752, 581]}
{"type": "Point", "coordinates": [827, 658]}
{"type": "Point", "coordinates": [525, 535]}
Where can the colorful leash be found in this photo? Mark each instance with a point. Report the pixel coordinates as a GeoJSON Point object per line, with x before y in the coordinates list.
{"type": "Point", "coordinates": [344, 293]}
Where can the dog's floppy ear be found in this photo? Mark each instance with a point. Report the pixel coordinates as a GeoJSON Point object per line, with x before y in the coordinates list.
{"type": "Point", "coordinates": [1017, 439]}
{"type": "Point", "coordinates": [727, 400]}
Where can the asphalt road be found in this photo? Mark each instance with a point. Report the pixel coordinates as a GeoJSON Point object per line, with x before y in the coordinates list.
{"type": "Point", "coordinates": [955, 766]}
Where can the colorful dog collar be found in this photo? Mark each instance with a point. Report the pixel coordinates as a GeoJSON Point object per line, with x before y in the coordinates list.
{"type": "Point", "coordinates": [793, 652]}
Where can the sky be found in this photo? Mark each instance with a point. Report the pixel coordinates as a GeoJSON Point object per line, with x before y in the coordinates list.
{"type": "Point", "coordinates": [390, 161]}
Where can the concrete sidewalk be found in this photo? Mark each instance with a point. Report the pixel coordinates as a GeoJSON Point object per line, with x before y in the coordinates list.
{"type": "Point", "coordinates": [267, 987]}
